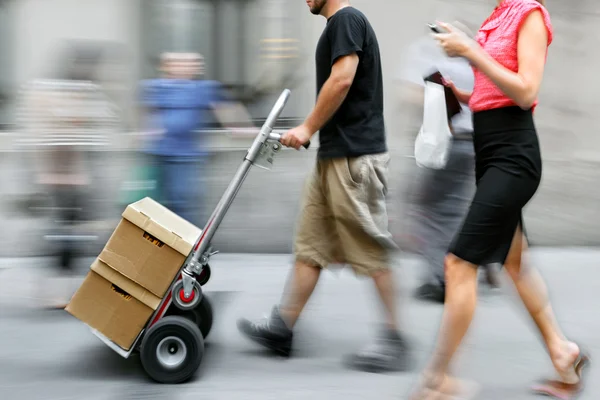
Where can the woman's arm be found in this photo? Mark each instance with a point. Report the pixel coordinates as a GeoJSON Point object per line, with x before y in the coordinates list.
{"type": "Point", "coordinates": [523, 86]}
{"type": "Point", "coordinates": [463, 96]}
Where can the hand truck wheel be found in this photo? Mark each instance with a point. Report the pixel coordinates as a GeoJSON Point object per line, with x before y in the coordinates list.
{"type": "Point", "coordinates": [204, 311]}
{"type": "Point", "coordinates": [204, 276]}
{"type": "Point", "coordinates": [202, 315]}
{"type": "Point", "coordinates": [186, 303]}
{"type": "Point", "coordinates": [172, 350]}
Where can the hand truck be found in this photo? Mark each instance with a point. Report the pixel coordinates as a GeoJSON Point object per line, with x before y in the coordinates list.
{"type": "Point", "coordinates": [171, 345]}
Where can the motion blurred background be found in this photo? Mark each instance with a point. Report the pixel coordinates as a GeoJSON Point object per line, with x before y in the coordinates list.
{"type": "Point", "coordinates": [255, 49]}
{"type": "Point", "coordinates": [73, 130]}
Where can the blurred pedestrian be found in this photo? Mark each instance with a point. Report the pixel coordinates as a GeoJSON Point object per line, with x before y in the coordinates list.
{"type": "Point", "coordinates": [508, 58]}
{"type": "Point", "coordinates": [442, 195]}
{"type": "Point", "coordinates": [58, 111]}
{"type": "Point", "coordinates": [343, 216]}
{"type": "Point", "coordinates": [178, 106]}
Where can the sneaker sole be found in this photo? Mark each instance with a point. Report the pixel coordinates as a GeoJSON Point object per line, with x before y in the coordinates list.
{"type": "Point", "coordinates": [372, 366]}
{"type": "Point", "coordinates": [269, 345]}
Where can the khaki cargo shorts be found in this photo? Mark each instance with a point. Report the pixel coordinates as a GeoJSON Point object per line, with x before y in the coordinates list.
{"type": "Point", "coordinates": [343, 219]}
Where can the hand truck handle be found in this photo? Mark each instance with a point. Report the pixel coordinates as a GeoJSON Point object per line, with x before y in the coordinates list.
{"type": "Point", "coordinates": [277, 137]}
{"type": "Point", "coordinates": [277, 108]}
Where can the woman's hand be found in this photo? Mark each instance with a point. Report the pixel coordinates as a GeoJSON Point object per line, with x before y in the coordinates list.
{"type": "Point", "coordinates": [454, 42]}
{"type": "Point", "coordinates": [448, 83]}
{"type": "Point", "coordinates": [461, 95]}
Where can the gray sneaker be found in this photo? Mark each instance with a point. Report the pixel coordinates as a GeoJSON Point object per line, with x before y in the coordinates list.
{"type": "Point", "coordinates": [388, 353]}
{"type": "Point", "coordinates": [271, 333]}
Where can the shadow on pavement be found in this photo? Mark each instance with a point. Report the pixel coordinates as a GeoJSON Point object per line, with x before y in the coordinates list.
{"type": "Point", "coordinates": [145, 392]}
{"type": "Point", "coordinates": [98, 362]}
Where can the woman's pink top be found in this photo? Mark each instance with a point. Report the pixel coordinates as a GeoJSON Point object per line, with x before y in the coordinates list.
{"type": "Point", "coordinates": [498, 36]}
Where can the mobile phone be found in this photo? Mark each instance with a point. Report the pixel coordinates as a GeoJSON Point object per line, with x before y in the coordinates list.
{"type": "Point", "coordinates": [435, 28]}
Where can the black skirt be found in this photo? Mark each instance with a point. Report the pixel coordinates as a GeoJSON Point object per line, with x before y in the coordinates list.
{"type": "Point", "coordinates": [508, 170]}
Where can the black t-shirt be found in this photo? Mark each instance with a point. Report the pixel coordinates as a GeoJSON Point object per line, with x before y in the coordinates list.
{"type": "Point", "coordinates": [357, 128]}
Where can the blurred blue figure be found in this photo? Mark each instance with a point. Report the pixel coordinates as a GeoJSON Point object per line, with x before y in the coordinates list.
{"type": "Point", "coordinates": [179, 107]}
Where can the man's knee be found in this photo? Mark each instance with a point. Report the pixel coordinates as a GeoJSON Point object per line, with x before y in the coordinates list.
{"type": "Point", "coordinates": [373, 267]}
{"type": "Point", "coordinates": [380, 273]}
{"type": "Point", "coordinates": [303, 262]}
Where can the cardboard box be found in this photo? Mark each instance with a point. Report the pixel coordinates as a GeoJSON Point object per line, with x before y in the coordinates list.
{"type": "Point", "coordinates": [150, 245]}
{"type": "Point", "coordinates": [112, 304]}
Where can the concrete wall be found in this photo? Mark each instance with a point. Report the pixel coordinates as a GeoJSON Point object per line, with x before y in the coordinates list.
{"type": "Point", "coordinates": [42, 28]}
{"type": "Point", "coordinates": [262, 218]}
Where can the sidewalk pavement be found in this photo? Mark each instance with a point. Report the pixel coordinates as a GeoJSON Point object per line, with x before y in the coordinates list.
{"type": "Point", "coordinates": [234, 272]}
{"type": "Point", "coordinates": [53, 356]}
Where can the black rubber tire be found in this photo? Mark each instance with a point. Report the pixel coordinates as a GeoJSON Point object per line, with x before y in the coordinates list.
{"type": "Point", "coordinates": [186, 331]}
{"type": "Point", "coordinates": [204, 276]}
{"type": "Point", "coordinates": [204, 311]}
{"type": "Point", "coordinates": [202, 315]}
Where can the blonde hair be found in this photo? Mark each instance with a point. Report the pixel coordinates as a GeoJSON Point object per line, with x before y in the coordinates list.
{"type": "Point", "coordinates": [542, 2]}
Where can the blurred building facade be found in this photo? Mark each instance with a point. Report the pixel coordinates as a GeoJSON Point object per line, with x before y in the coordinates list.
{"type": "Point", "coordinates": [258, 47]}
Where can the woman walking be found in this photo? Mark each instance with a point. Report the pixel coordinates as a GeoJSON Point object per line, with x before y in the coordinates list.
{"type": "Point", "coordinates": [508, 59]}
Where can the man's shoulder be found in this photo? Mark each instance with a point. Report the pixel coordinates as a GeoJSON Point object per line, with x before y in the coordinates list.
{"type": "Point", "coordinates": [354, 11]}
{"type": "Point", "coordinates": [350, 14]}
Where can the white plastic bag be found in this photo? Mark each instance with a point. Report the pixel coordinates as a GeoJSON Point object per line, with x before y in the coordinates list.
{"type": "Point", "coordinates": [433, 141]}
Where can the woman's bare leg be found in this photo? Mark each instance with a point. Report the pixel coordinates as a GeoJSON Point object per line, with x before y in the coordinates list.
{"type": "Point", "coordinates": [459, 308]}
{"type": "Point", "coordinates": [534, 294]}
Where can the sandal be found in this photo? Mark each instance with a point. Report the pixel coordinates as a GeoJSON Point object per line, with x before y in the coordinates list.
{"type": "Point", "coordinates": [561, 390]}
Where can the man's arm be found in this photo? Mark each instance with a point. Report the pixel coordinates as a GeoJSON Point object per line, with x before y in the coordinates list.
{"type": "Point", "coordinates": [333, 93]}
{"type": "Point", "coordinates": [346, 36]}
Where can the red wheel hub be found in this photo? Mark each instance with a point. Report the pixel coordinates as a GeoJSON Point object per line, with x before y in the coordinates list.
{"type": "Point", "coordinates": [185, 299]}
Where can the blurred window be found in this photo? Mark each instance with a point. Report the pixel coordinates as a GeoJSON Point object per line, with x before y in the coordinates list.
{"type": "Point", "coordinates": [177, 26]}
{"type": "Point", "coordinates": [252, 47]}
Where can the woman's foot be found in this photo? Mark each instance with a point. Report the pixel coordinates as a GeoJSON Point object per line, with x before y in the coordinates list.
{"type": "Point", "coordinates": [564, 362]}
{"type": "Point", "coordinates": [569, 362]}
{"type": "Point", "coordinates": [444, 387]}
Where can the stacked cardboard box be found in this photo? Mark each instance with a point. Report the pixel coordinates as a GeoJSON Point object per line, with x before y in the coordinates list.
{"type": "Point", "coordinates": [132, 274]}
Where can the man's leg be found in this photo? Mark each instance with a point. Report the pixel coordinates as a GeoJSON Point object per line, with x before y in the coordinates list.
{"type": "Point", "coordinates": [389, 351]}
{"type": "Point", "coordinates": [201, 201]}
{"type": "Point", "coordinates": [386, 288]}
{"type": "Point", "coordinates": [276, 332]}
{"type": "Point", "coordinates": [313, 248]}
{"type": "Point", "coordinates": [446, 202]}
{"type": "Point", "coordinates": [182, 187]}
{"type": "Point", "coordinates": [159, 163]}
{"type": "Point", "coordinates": [300, 286]}
{"type": "Point", "coordinates": [359, 189]}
